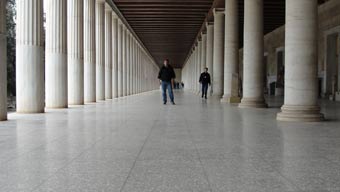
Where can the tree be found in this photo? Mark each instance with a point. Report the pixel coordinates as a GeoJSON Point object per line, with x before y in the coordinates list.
{"type": "Point", "coordinates": [11, 46]}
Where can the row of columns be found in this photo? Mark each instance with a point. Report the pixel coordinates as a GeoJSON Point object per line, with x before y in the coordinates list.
{"type": "Point", "coordinates": [90, 56]}
{"type": "Point", "coordinates": [222, 58]}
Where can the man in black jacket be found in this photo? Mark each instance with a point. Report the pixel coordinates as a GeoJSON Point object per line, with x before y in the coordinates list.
{"type": "Point", "coordinates": [205, 81]}
{"type": "Point", "coordinates": [166, 76]}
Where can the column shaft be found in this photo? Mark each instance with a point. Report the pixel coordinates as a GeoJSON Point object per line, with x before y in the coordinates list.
{"type": "Point", "coordinates": [231, 53]}
{"type": "Point", "coordinates": [56, 54]}
{"type": "Point", "coordinates": [115, 56]}
{"type": "Point", "coordinates": [218, 55]}
{"type": "Point", "coordinates": [75, 48]}
{"type": "Point", "coordinates": [3, 62]}
{"type": "Point", "coordinates": [100, 51]}
{"type": "Point", "coordinates": [108, 54]}
{"type": "Point", "coordinates": [301, 82]}
{"type": "Point", "coordinates": [90, 51]}
{"type": "Point", "coordinates": [30, 66]}
{"type": "Point", "coordinates": [204, 51]}
{"type": "Point", "coordinates": [124, 61]}
{"type": "Point", "coordinates": [210, 50]}
{"type": "Point", "coordinates": [253, 69]}
{"type": "Point", "coordinates": [120, 58]}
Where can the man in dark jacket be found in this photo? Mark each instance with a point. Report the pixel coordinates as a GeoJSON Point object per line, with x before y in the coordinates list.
{"type": "Point", "coordinates": [166, 76]}
{"type": "Point", "coordinates": [205, 81]}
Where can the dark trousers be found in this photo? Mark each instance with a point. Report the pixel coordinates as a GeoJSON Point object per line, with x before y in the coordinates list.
{"type": "Point", "coordinates": [205, 89]}
{"type": "Point", "coordinates": [167, 86]}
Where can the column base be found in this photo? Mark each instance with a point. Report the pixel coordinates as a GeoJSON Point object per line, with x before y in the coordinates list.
{"type": "Point", "coordinates": [300, 114]}
{"type": "Point", "coordinates": [253, 103]}
{"type": "Point", "coordinates": [230, 99]}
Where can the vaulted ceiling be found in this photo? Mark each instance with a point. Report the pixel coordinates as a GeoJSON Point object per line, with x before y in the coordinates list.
{"type": "Point", "coordinates": [168, 28]}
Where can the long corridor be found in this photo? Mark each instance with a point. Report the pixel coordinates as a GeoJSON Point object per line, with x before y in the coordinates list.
{"type": "Point", "coordinates": [136, 144]}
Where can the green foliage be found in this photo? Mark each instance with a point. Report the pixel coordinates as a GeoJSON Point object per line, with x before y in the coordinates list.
{"type": "Point", "coordinates": [11, 46]}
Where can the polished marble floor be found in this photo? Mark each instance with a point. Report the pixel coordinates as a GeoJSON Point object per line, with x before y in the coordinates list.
{"type": "Point", "coordinates": [137, 144]}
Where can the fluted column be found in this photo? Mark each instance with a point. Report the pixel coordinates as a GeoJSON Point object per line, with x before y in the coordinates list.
{"type": "Point", "coordinates": [30, 66]}
{"type": "Point", "coordinates": [90, 51]}
{"type": "Point", "coordinates": [204, 51]}
{"type": "Point", "coordinates": [134, 67]}
{"type": "Point", "coordinates": [301, 81]}
{"type": "Point", "coordinates": [3, 62]}
{"type": "Point", "coordinates": [114, 56]}
{"type": "Point", "coordinates": [120, 39]}
{"type": "Point", "coordinates": [56, 54]}
{"type": "Point", "coordinates": [100, 50]}
{"type": "Point", "coordinates": [199, 65]}
{"type": "Point", "coordinates": [128, 62]}
{"type": "Point", "coordinates": [75, 47]}
{"type": "Point", "coordinates": [108, 53]}
{"type": "Point", "coordinates": [125, 33]}
{"type": "Point", "coordinates": [218, 55]}
{"type": "Point", "coordinates": [253, 82]}
{"type": "Point", "coordinates": [231, 53]}
{"type": "Point", "coordinates": [210, 50]}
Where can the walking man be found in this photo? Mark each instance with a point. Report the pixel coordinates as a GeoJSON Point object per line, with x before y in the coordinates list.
{"type": "Point", "coordinates": [205, 81]}
{"type": "Point", "coordinates": [167, 76]}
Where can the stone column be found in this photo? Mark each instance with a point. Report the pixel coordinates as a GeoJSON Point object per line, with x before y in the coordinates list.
{"type": "Point", "coordinates": [108, 53]}
{"type": "Point", "coordinates": [218, 55]}
{"type": "Point", "coordinates": [199, 65]}
{"type": "Point", "coordinates": [56, 54]}
{"type": "Point", "coordinates": [210, 50]}
{"type": "Point", "coordinates": [89, 51]}
{"type": "Point", "coordinates": [231, 53]}
{"type": "Point", "coordinates": [125, 33]}
{"type": "Point", "coordinates": [3, 62]}
{"type": "Point", "coordinates": [301, 82]}
{"type": "Point", "coordinates": [120, 39]}
{"type": "Point", "coordinates": [204, 51]}
{"type": "Point", "coordinates": [133, 66]}
{"type": "Point", "coordinates": [75, 47]}
{"type": "Point", "coordinates": [128, 62]}
{"type": "Point", "coordinates": [100, 50]}
{"type": "Point", "coordinates": [29, 57]}
{"type": "Point", "coordinates": [114, 56]}
{"type": "Point", "coordinates": [253, 83]}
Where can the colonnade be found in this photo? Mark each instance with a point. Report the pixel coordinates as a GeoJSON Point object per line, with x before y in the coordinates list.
{"type": "Point", "coordinates": [222, 58]}
{"type": "Point", "coordinates": [89, 55]}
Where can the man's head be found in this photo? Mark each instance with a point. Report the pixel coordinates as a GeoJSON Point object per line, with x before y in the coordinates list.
{"type": "Point", "coordinates": [166, 62]}
{"type": "Point", "coordinates": [206, 69]}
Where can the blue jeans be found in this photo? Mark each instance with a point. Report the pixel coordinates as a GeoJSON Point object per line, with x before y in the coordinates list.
{"type": "Point", "coordinates": [205, 89]}
{"type": "Point", "coordinates": [165, 86]}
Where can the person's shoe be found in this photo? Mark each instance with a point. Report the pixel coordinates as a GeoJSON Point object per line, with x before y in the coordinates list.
{"type": "Point", "coordinates": [164, 103]}
{"type": "Point", "coordinates": [202, 96]}
{"type": "Point", "coordinates": [172, 102]}
{"type": "Point", "coordinates": [205, 97]}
